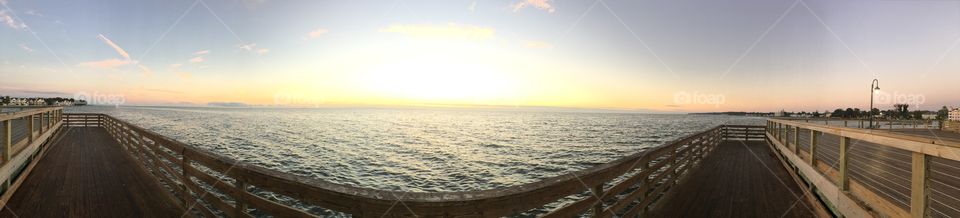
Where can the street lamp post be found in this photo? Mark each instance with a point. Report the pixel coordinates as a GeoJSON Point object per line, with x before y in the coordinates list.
{"type": "Point", "coordinates": [874, 88]}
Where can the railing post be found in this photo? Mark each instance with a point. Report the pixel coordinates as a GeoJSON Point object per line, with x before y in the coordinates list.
{"type": "Point", "coordinates": [844, 180]}
{"type": "Point", "coordinates": [40, 121]}
{"type": "Point", "coordinates": [783, 133]}
{"type": "Point", "coordinates": [844, 123]}
{"type": "Point", "coordinates": [796, 141]}
{"type": "Point", "coordinates": [187, 197]}
{"type": "Point", "coordinates": [598, 193]}
{"type": "Point", "coordinates": [30, 126]}
{"type": "Point", "coordinates": [241, 206]}
{"type": "Point", "coordinates": [813, 148]}
{"type": "Point", "coordinates": [919, 191]}
{"type": "Point", "coordinates": [861, 124]}
{"type": "Point", "coordinates": [7, 140]}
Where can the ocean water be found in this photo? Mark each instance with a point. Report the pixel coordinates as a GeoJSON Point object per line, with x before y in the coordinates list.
{"type": "Point", "coordinates": [422, 150]}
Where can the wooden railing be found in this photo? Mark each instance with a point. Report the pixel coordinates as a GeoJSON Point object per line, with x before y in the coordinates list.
{"type": "Point", "coordinates": [744, 132]}
{"type": "Point", "coordinates": [24, 136]}
{"type": "Point", "coordinates": [209, 184]}
{"type": "Point", "coordinates": [865, 123]}
{"type": "Point", "coordinates": [872, 173]}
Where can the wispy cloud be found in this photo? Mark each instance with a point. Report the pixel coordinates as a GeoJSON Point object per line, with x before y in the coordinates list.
{"type": "Point", "coordinates": [315, 34]}
{"type": "Point", "coordinates": [10, 21]}
{"type": "Point", "coordinates": [114, 46]}
{"type": "Point", "coordinates": [252, 47]}
{"type": "Point", "coordinates": [175, 66]}
{"type": "Point", "coordinates": [537, 44]}
{"type": "Point", "coordinates": [473, 6]}
{"type": "Point", "coordinates": [105, 64]}
{"type": "Point", "coordinates": [539, 4]}
{"type": "Point", "coordinates": [33, 13]}
{"type": "Point", "coordinates": [114, 62]}
{"type": "Point", "coordinates": [197, 59]}
{"type": "Point", "coordinates": [248, 47]}
{"type": "Point", "coordinates": [25, 47]}
{"type": "Point", "coordinates": [451, 30]}
{"type": "Point", "coordinates": [202, 52]}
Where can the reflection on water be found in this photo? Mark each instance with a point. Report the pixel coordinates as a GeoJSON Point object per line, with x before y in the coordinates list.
{"type": "Point", "coordinates": [424, 150]}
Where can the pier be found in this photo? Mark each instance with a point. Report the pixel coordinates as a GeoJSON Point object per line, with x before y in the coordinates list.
{"type": "Point", "coordinates": [62, 164]}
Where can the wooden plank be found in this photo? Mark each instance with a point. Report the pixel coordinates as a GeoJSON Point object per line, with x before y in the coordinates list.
{"type": "Point", "coordinates": [212, 181]}
{"type": "Point", "coordinates": [276, 209]}
{"type": "Point", "coordinates": [813, 147]}
{"type": "Point", "coordinates": [844, 166]}
{"type": "Point", "coordinates": [919, 190]}
{"type": "Point", "coordinates": [87, 164]}
{"type": "Point", "coordinates": [829, 191]}
{"type": "Point", "coordinates": [8, 140]}
{"type": "Point", "coordinates": [211, 199]}
{"type": "Point", "coordinates": [796, 140]}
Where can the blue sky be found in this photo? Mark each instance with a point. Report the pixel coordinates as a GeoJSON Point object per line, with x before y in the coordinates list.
{"type": "Point", "coordinates": [758, 55]}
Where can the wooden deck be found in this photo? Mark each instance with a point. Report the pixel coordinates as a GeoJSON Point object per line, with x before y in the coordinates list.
{"type": "Point", "coordinates": [86, 174]}
{"type": "Point", "coordinates": [740, 179]}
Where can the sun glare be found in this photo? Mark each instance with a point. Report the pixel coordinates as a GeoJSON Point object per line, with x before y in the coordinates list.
{"type": "Point", "coordinates": [436, 79]}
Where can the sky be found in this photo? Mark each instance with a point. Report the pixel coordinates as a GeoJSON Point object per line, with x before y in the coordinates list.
{"type": "Point", "coordinates": [655, 55]}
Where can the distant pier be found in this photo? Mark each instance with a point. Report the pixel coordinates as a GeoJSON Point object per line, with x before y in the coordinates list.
{"type": "Point", "coordinates": [63, 165]}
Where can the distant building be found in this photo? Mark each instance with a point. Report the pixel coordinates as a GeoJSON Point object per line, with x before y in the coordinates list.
{"type": "Point", "coordinates": [929, 116]}
{"type": "Point", "coordinates": [780, 113]}
{"type": "Point", "coordinates": [954, 114]}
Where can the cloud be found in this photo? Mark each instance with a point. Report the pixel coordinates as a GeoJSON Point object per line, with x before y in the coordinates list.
{"type": "Point", "coordinates": [248, 47]}
{"type": "Point", "coordinates": [252, 47]}
{"type": "Point", "coordinates": [197, 59]}
{"type": "Point", "coordinates": [174, 66]}
{"type": "Point", "coordinates": [115, 47]}
{"type": "Point", "coordinates": [114, 63]}
{"type": "Point", "coordinates": [473, 6]}
{"type": "Point", "coordinates": [25, 47]}
{"type": "Point", "coordinates": [105, 64]}
{"type": "Point", "coordinates": [10, 21]}
{"type": "Point", "coordinates": [33, 12]}
{"type": "Point", "coordinates": [451, 30]}
{"type": "Point", "coordinates": [539, 4]}
{"type": "Point", "coordinates": [537, 44]}
{"type": "Point", "coordinates": [315, 34]}
{"type": "Point", "coordinates": [202, 52]}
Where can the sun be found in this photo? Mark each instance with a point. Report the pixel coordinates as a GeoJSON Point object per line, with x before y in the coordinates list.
{"type": "Point", "coordinates": [438, 79]}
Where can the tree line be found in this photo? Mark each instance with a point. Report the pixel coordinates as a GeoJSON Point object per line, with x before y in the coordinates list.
{"type": "Point", "coordinates": [899, 111]}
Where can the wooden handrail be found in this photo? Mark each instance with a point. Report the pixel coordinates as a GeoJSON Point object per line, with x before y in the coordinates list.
{"type": "Point", "coordinates": [25, 137]}
{"type": "Point", "coordinates": [210, 184]}
{"type": "Point", "coordinates": [849, 197]}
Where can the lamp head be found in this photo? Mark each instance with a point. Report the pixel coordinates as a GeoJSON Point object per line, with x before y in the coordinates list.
{"type": "Point", "coordinates": [876, 89]}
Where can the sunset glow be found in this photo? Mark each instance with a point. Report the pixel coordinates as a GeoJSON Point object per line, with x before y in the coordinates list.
{"type": "Point", "coordinates": [611, 54]}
